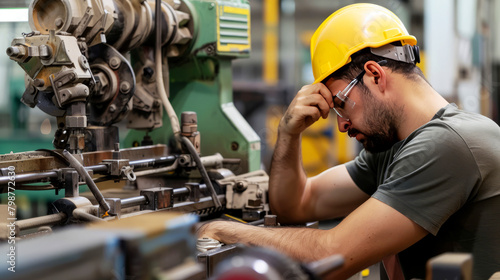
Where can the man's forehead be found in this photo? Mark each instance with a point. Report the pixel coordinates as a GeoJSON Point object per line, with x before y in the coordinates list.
{"type": "Point", "coordinates": [335, 84]}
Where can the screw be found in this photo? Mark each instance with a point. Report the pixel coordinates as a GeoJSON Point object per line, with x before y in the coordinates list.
{"type": "Point", "coordinates": [234, 146]}
{"type": "Point", "coordinates": [38, 82]}
{"type": "Point", "coordinates": [125, 87]}
{"type": "Point", "coordinates": [59, 22]}
{"type": "Point", "coordinates": [112, 108]}
{"type": "Point", "coordinates": [114, 62]}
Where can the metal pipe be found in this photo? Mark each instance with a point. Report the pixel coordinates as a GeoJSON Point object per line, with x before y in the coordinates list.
{"type": "Point", "coordinates": [256, 223]}
{"type": "Point", "coordinates": [100, 168]}
{"type": "Point", "coordinates": [133, 201]}
{"type": "Point", "coordinates": [152, 162]}
{"type": "Point", "coordinates": [82, 214]}
{"type": "Point", "coordinates": [48, 220]}
{"type": "Point", "coordinates": [29, 177]}
{"type": "Point", "coordinates": [181, 191]}
{"type": "Point", "coordinates": [90, 182]}
{"type": "Point", "coordinates": [324, 266]}
{"type": "Point", "coordinates": [156, 170]}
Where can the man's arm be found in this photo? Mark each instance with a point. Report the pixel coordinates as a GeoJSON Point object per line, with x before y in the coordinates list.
{"type": "Point", "coordinates": [371, 232]}
{"type": "Point", "coordinates": [293, 197]}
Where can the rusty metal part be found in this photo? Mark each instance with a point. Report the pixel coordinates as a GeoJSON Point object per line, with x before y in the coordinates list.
{"type": "Point", "coordinates": [157, 198]}
{"type": "Point", "coordinates": [117, 78]}
{"type": "Point", "coordinates": [270, 220]}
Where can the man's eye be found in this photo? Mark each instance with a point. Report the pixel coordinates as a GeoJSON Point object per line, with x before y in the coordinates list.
{"type": "Point", "coordinates": [338, 103]}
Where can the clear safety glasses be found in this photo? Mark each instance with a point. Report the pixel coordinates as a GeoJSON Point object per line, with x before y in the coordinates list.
{"type": "Point", "coordinates": [342, 105]}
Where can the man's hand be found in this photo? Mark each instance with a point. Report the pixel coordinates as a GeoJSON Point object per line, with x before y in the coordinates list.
{"type": "Point", "coordinates": [211, 230]}
{"type": "Point", "coordinates": [205, 231]}
{"type": "Point", "coordinates": [310, 103]}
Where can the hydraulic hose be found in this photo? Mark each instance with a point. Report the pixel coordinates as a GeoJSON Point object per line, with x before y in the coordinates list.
{"type": "Point", "coordinates": [203, 172]}
{"type": "Point", "coordinates": [163, 87]}
{"type": "Point", "coordinates": [80, 169]}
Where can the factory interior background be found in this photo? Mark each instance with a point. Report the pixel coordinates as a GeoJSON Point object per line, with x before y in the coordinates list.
{"type": "Point", "coordinates": [460, 49]}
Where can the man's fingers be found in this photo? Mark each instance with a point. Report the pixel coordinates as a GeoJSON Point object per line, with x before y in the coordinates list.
{"type": "Point", "coordinates": [326, 93]}
{"type": "Point", "coordinates": [316, 100]}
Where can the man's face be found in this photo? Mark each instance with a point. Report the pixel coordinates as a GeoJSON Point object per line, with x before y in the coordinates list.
{"type": "Point", "coordinates": [371, 121]}
{"type": "Point", "coordinates": [380, 132]}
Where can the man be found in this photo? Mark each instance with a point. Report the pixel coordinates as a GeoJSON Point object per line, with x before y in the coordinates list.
{"type": "Point", "coordinates": [427, 181]}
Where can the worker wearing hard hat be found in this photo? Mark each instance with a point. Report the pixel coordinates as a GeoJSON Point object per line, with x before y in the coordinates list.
{"type": "Point", "coordinates": [426, 182]}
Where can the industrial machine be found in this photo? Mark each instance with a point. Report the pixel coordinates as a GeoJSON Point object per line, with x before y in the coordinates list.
{"type": "Point", "coordinates": [101, 67]}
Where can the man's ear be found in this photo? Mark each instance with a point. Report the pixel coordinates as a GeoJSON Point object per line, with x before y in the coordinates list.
{"type": "Point", "coordinates": [376, 75]}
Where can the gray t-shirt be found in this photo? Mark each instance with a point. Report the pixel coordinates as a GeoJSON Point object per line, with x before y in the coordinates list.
{"type": "Point", "coordinates": [446, 178]}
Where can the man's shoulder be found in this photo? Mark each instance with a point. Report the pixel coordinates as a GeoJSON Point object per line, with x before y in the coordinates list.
{"type": "Point", "coordinates": [455, 126]}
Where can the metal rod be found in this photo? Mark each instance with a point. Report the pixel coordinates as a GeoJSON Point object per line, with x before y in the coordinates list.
{"type": "Point", "coordinates": [81, 214]}
{"type": "Point", "coordinates": [133, 201]}
{"type": "Point", "coordinates": [153, 162]}
{"type": "Point", "coordinates": [256, 223]}
{"type": "Point", "coordinates": [157, 170]}
{"type": "Point", "coordinates": [29, 177]}
{"type": "Point", "coordinates": [41, 221]}
{"type": "Point", "coordinates": [88, 179]}
{"type": "Point", "coordinates": [181, 191]}
{"type": "Point", "coordinates": [324, 266]}
{"type": "Point", "coordinates": [100, 168]}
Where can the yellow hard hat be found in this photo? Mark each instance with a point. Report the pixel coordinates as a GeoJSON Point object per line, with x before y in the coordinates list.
{"type": "Point", "coordinates": [352, 29]}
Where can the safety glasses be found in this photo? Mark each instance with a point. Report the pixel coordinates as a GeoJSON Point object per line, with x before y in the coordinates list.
{"type": "Point", "coordinates": [342, 105]}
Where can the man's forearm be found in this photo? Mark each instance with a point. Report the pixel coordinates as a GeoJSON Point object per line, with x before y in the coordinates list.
{"type": "Point", "coordinates": [294, 242]}
{"type": "Point", "coordinates": [287, 177]}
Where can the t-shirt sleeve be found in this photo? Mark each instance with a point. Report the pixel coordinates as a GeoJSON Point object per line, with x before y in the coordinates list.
{"type": "Point", "coordinates": [363, 172]}
{"type": "Point", "coordinates": [431, 177]}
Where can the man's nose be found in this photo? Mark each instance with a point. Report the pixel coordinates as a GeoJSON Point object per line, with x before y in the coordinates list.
{"type": "Point", "coordinates": [343, 124]}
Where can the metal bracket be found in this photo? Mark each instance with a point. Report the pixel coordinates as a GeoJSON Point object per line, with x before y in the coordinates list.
{"type": "Point", "coordinates": [158, 198]}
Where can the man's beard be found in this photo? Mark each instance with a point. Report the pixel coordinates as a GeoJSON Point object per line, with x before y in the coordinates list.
{"type": "Point", "coordinates": [380, 121]}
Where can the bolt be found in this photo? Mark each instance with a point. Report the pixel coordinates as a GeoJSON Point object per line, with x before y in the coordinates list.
{"type": "Point", "coordinates": [125, 87]}
{"type": "Point", "coordinates": [59, 22]}
{"type": "Point", "coordinates": [45, 51]}
{"type": "Point", "coordinates": [258, 193]}
{"type": "Point", "coordinates": [235, 146]}
{"type": "Point", "coordinates": [114, 62]}
{"type": "Point", "coordinates": [239, 187]}
{"type": "Point", "coordinates": [13, 51]}
{"type": "Point", "coordinates": [38, 82]}
{"type": "Point", "coordinates": [112, 108]}
{"type": "Point", "coordinates": [212, 5]}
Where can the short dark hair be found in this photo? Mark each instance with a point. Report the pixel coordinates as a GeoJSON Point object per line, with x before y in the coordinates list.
{"type": "Point", "coordinates": [349, 71]}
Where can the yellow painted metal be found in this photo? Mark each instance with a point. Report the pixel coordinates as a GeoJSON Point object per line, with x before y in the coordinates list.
{"type": "Point", "coordinates": [240, 20]}
{"type": "Point", "coordinates": [271, 42]}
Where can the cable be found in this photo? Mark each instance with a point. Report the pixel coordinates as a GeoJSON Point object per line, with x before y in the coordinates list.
{"type": "Point", "coordinates": [164, 87]}
{"type": "Point", "coordinates": [80, 169]}
{"type": "Point", "coordinates": [203, 172]}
